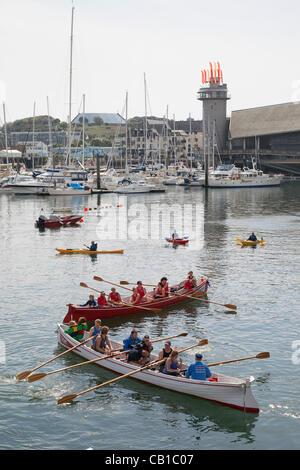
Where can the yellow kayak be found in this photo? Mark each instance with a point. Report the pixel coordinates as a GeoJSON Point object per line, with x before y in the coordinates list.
{"type": "Point", "coordinates": [250, 242]}
{"type": "Point", "coordinates": [88, 252]}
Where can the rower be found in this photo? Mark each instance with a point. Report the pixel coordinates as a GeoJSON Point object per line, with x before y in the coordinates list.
{"type": "Point", "coordinates": [135, 299]}
{"type": "Point", "coordinates": [102, 302]}
{"type": "Point", "coordinates": [190, 282]}
{"type": "Point", "coordinates": [253, 237]}
{"type": "Point", "coordinates": [159, 292]}
{"type": "Point", "coordinates": [95, 330]}
{"type": "Point", "coordinates": [172, 365]}
{"type": "Point", "coordinates": [103, 344]}
{"type": "Point", "coordinates": [114, 296]}
{"type": "Point", "coordinates": [141, 290]}
{"type": "Point", "coordinates": [198, 370]}
{"type": "Point", "coordinates": [76, 331]}
{"type": "Point", "coordinates": [164, 353]}
{"type": "Point", "coordinates": [91, 302]}
{"type": "Point", "coordinates": [164, 282]}
{"type": "Point", "coordinates": [133, 343]}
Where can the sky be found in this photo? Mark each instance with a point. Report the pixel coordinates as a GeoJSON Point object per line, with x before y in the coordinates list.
{"type": "Point", "coordinates": [116, 42]}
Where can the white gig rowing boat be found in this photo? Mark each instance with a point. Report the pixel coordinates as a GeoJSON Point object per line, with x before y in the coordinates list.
{"type": "Point", "coordinates": [230, 391]}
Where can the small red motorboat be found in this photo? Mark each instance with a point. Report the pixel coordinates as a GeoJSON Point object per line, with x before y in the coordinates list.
{"type": "Point", "coordinates": [55, 222]}
{"type": "Point", "coordinates": [178, 241]}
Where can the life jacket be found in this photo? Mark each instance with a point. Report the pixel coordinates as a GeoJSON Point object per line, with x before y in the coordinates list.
{"type": "Point", "coordinates": [166, 287]}
{"type": "Point", "coordinates": [188, 284]}
{"type": "Point", "coordinates": [102, 301]}
{"type": "Point", "coordinates": [141, 291]}
{"type": "Point", "coordinates": [159, 290]}
{"type": "Point", "coordinates": [134, 298]}
{"type": "Point", "coordinates": [78, 330]}
{"type": "Point", "coordinates": [114, 296]}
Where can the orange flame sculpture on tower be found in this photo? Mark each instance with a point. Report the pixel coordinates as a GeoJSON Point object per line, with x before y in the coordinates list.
{"type": "Point", "coordinates": [212, 75]}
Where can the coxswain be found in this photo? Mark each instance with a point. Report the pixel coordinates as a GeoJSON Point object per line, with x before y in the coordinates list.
{"type": "Point", "coordinates": [95, 330]}
{"type": "Point", "coordinates": [141, 290]}
{"type": "Point", "coordinates": [102, 343]}
{"type": "Point", "coordinates": [164, 282]}
{"type": "Point", "coordinates": [253, 237]}
{"type": "Point", "coordinates": [114, 296]}
{"type": "Point", "coordinates": [102, 302]}
{"type": "Point", "coordinates": [77, 330]}
{"type": "Point", "coordinates": [91, 302]}
{"type": "Point", "coordinates": [135, 299]}
{"type": "Point", "coordinates": [198, 370]}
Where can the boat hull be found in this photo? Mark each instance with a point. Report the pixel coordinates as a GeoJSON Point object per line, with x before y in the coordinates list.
{"type": "Point", "coordinates": [91, 314]}
{"type": "Point", "coordinates": [229, 391]}
{"type": "Point", "coordinates": [87, 252]}
{"type": "Point", "coordinates": [179, 241]}
{"type": "Point", "coordinates": [252, 243]}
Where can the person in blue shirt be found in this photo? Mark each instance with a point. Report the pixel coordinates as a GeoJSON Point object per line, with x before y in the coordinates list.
{"type": "Point", "coordinates": [93, 246]}
{"type": "Point", "coordinates": [252, 237]}
{"type": "Point", "coordinates": [135, 343]}
{"type": "Point", "coordinates": [198, 370]}
{"type": "Point", "coordinates": [90, 303]}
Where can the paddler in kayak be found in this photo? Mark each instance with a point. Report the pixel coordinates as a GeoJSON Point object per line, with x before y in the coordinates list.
{"type": "Point", "coordinates": [114, 297]}
{"type": "Point", "coordinates": [175, 235]}
{"type": "Point", "coordinates": [93, 246]}
{"type": "Point", "coordinates": [253, 237]}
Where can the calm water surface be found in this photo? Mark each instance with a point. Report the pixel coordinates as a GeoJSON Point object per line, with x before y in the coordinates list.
{"type": "Point", "coordinates": [36, 285]}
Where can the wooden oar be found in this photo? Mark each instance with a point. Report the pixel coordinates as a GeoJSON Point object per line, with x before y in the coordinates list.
{"type": "Point", "coordinates": [69, 398]}
{"type": "Point", "coordinates": [231, 307]}
{"type": "Point", "coordinates": [156, 310]}
{"type": "Point", "coordinates": [25, 374]}
{"type": "Point", "coordinates": [34, 377]}
{"type": "Point", "coordinates": [263, 355]}
{"type": "Point", "coordinates": [134, 283]}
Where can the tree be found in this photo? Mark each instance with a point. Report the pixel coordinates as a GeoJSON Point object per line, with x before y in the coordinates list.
{"type": "Point", "coordinates": [98, 120]}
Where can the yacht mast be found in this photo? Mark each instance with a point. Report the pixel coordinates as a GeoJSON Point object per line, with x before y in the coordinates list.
{"type": "Point", "coordinates": [50, 136]}
{"type": "Point", "coordinates": [83, 128]}
{"type": "Point", "coordinates": [33, 140]}
{"type": "Point", "coordinates": [126, 134]}
{"type": "Point", "coordinates": [5, 132]}
{"type": "Point", "coordinates": [70, 94]}
{"type": "Point", "coordinates": [145, 126]}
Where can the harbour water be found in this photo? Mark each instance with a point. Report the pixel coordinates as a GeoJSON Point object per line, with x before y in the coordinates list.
{"type": "Point", "coordinates": [36, 285]}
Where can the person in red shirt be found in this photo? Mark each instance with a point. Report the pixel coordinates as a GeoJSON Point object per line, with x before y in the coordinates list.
{"type": "Point", "coordinates": [164, 282]}
{"type": "Point", "coordinates": [190, 282]}
{"type": "Point", "coordinates": [141, 290]}
{"type": "Point", "coordinates": [102, 302]}
{"type": "Point", "coordinates": [159, 291]}
{"type": "Point", "coordinates": [135, 298]}
{"type": "Point", "coordinates": [114, 296]}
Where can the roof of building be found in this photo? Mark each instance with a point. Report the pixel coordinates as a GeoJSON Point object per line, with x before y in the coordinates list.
{"type": "Point", "coordinates": [108, 118]}
{"type": "Point", "coordinates": [196, 126]}
{"type": "Point", "coordinates": [265, 120]}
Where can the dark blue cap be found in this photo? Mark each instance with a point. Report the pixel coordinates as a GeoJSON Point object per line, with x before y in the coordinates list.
{"type": "Point", "coordinates": [198, 356]}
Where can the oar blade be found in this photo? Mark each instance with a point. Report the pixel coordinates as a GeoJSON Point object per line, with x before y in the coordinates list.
{"type": "Point", "coordinates": [125, 283]}
{"type": "Point", "coordinates": [66, 399]}
{"type": "Point", "coordinates": [263, 355]}
{"type": "Point", "coordinates": [34, 377]}
{"type": "Point", "coordinates": [203, 342]}
{"type": "Point", "coordinates": [97, 278]}
{"type": "Point", "coordinates": [183, 334]}
{"type": "Point", "coordinates": [23, 375]}
{"type": "Point", "coordinates": [83, 284]}
{"type": "Point", "coordinates": [231, 307]}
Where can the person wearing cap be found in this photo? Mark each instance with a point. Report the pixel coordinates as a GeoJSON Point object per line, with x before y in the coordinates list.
{"type": "Point", "coordinates": [102, 302]}
{"type": "Point", "coordinates": [164, 353]}
{"type": "Point", "coordinates": [198, 370]}
{"type": "Point", "coordinates": [76, 330]}
{"type": "Point", "coordinates": [133, 344]}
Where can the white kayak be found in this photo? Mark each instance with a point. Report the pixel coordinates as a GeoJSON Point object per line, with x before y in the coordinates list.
{"type": "Point", "coordinates": [230, 391]}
